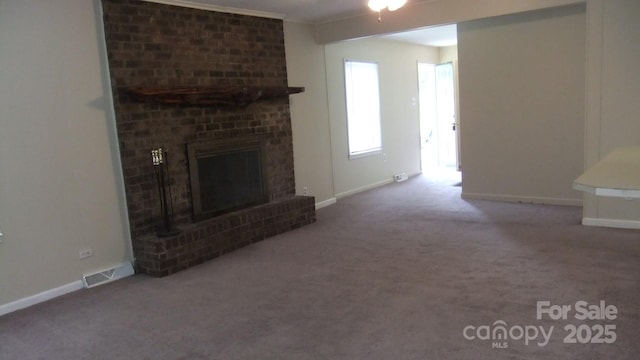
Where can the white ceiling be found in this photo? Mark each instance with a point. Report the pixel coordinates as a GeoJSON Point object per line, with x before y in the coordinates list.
{"type": "Point", "coordinates": [318, 11]}
{"type": "Point", "coordinates": [297, 10]}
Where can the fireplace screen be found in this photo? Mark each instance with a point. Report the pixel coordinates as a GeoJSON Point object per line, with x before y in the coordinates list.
{"type": "Point", "coordinates": [226, 176]}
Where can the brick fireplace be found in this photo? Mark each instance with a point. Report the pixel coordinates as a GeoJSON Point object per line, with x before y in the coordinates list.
{"type": "Point", "coordinates": [162, 46]}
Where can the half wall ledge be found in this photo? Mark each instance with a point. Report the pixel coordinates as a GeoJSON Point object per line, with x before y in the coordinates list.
{"type": "Point", "coordinates": [616, 175]}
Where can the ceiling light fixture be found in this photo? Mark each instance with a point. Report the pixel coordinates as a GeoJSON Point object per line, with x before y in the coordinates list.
{"type": "Point", "coordinates": [379, 5]}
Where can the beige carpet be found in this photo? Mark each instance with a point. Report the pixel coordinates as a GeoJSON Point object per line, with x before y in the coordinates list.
{"type": "Point", "coordinates": [398, 272]}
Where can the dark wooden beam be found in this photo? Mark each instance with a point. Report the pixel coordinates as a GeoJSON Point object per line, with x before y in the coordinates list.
{"type": "Point", "coordinates": [217, 96]}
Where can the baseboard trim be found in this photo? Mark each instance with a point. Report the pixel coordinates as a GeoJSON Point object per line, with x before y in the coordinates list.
{"type": "Point", "coordinates": [326, 203]}
{"type": "Point", "coordinates": [364, 188]}
{"type": "Point", "coordinates": [41, 297]}
{"type": "Point", "coordinates": [612, 223]}
{"type": "Point", "coordinates": [523, 199]}
{"type": "Point", "coordinates": [125, 269]}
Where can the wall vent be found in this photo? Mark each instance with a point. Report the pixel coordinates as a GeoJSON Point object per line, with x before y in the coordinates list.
{"type": "Point", "coordinates": [400, 177]}
{"type": "Point", "coordinates": [108, 275]}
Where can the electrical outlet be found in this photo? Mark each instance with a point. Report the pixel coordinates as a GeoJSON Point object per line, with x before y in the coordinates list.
{"type": "Point", "coordinates": [305, 191]}
{"type": "Point", "coordinates": [85, 253]}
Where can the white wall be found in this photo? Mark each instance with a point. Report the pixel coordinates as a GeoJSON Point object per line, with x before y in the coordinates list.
{"type": "Point", "coordinates": [397, 66]}
{"type": "Point", "coordinates": [319, 114]}
{"type": "Point", "coordinates": [309, 113]}
{"type": "Point", "coordinates": [60, 182]}
{"type": "Point", "coordinates": [448, 53]}
{"type": "Point", "coordinates": [522, 105]}
{"type": "Point", "coordinates": [613, 90]}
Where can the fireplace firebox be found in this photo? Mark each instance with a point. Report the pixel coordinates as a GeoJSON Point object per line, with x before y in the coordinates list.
{"type": "Point", "coordinates": [227, 175]}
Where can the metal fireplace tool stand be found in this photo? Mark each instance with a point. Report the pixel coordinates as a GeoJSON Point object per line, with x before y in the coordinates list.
{"type": "Point", "coordinates": [160, 165]}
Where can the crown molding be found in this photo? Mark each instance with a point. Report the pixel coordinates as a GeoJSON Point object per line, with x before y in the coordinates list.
{"type": "Point", "coordinates": [224, 9]}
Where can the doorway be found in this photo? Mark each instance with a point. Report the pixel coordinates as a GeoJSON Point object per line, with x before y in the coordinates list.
{"type": "Point", "coordinates": [438, 121]}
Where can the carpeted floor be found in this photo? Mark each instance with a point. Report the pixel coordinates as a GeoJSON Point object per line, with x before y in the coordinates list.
{"type": "Point", "coordinates": [406, 271]}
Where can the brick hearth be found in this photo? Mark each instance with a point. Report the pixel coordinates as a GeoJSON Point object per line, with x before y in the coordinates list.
{"type": "Point", "coordinates": [214, 237]}
{"type": "Point", "coordinates": [156, 45]}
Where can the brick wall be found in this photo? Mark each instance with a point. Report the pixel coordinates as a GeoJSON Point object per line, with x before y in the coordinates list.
{"type": "Point", "coordinates": [157, 45]}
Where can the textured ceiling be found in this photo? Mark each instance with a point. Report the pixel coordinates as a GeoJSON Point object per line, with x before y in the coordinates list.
{"type": "Point", "coordinates": [300, 10]}
{"type": "Point", "coordinates": [318, 11]}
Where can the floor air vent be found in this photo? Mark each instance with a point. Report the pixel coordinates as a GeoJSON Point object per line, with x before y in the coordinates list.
{"type": "Point", "coordinates": [400, 177]}
{"type": "Point", "coordinates": [108, 275]}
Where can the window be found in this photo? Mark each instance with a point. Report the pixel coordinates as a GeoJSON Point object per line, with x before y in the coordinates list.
{"type": "Point", "coordinates": [363, 108]}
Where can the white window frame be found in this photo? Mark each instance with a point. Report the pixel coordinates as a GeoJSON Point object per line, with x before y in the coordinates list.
{"type": "Point", "coordinates": [362, 89]}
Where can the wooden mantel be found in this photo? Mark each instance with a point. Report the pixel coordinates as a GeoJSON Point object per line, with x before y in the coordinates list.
{"type": "Point", "coordinates": [218, 96]}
